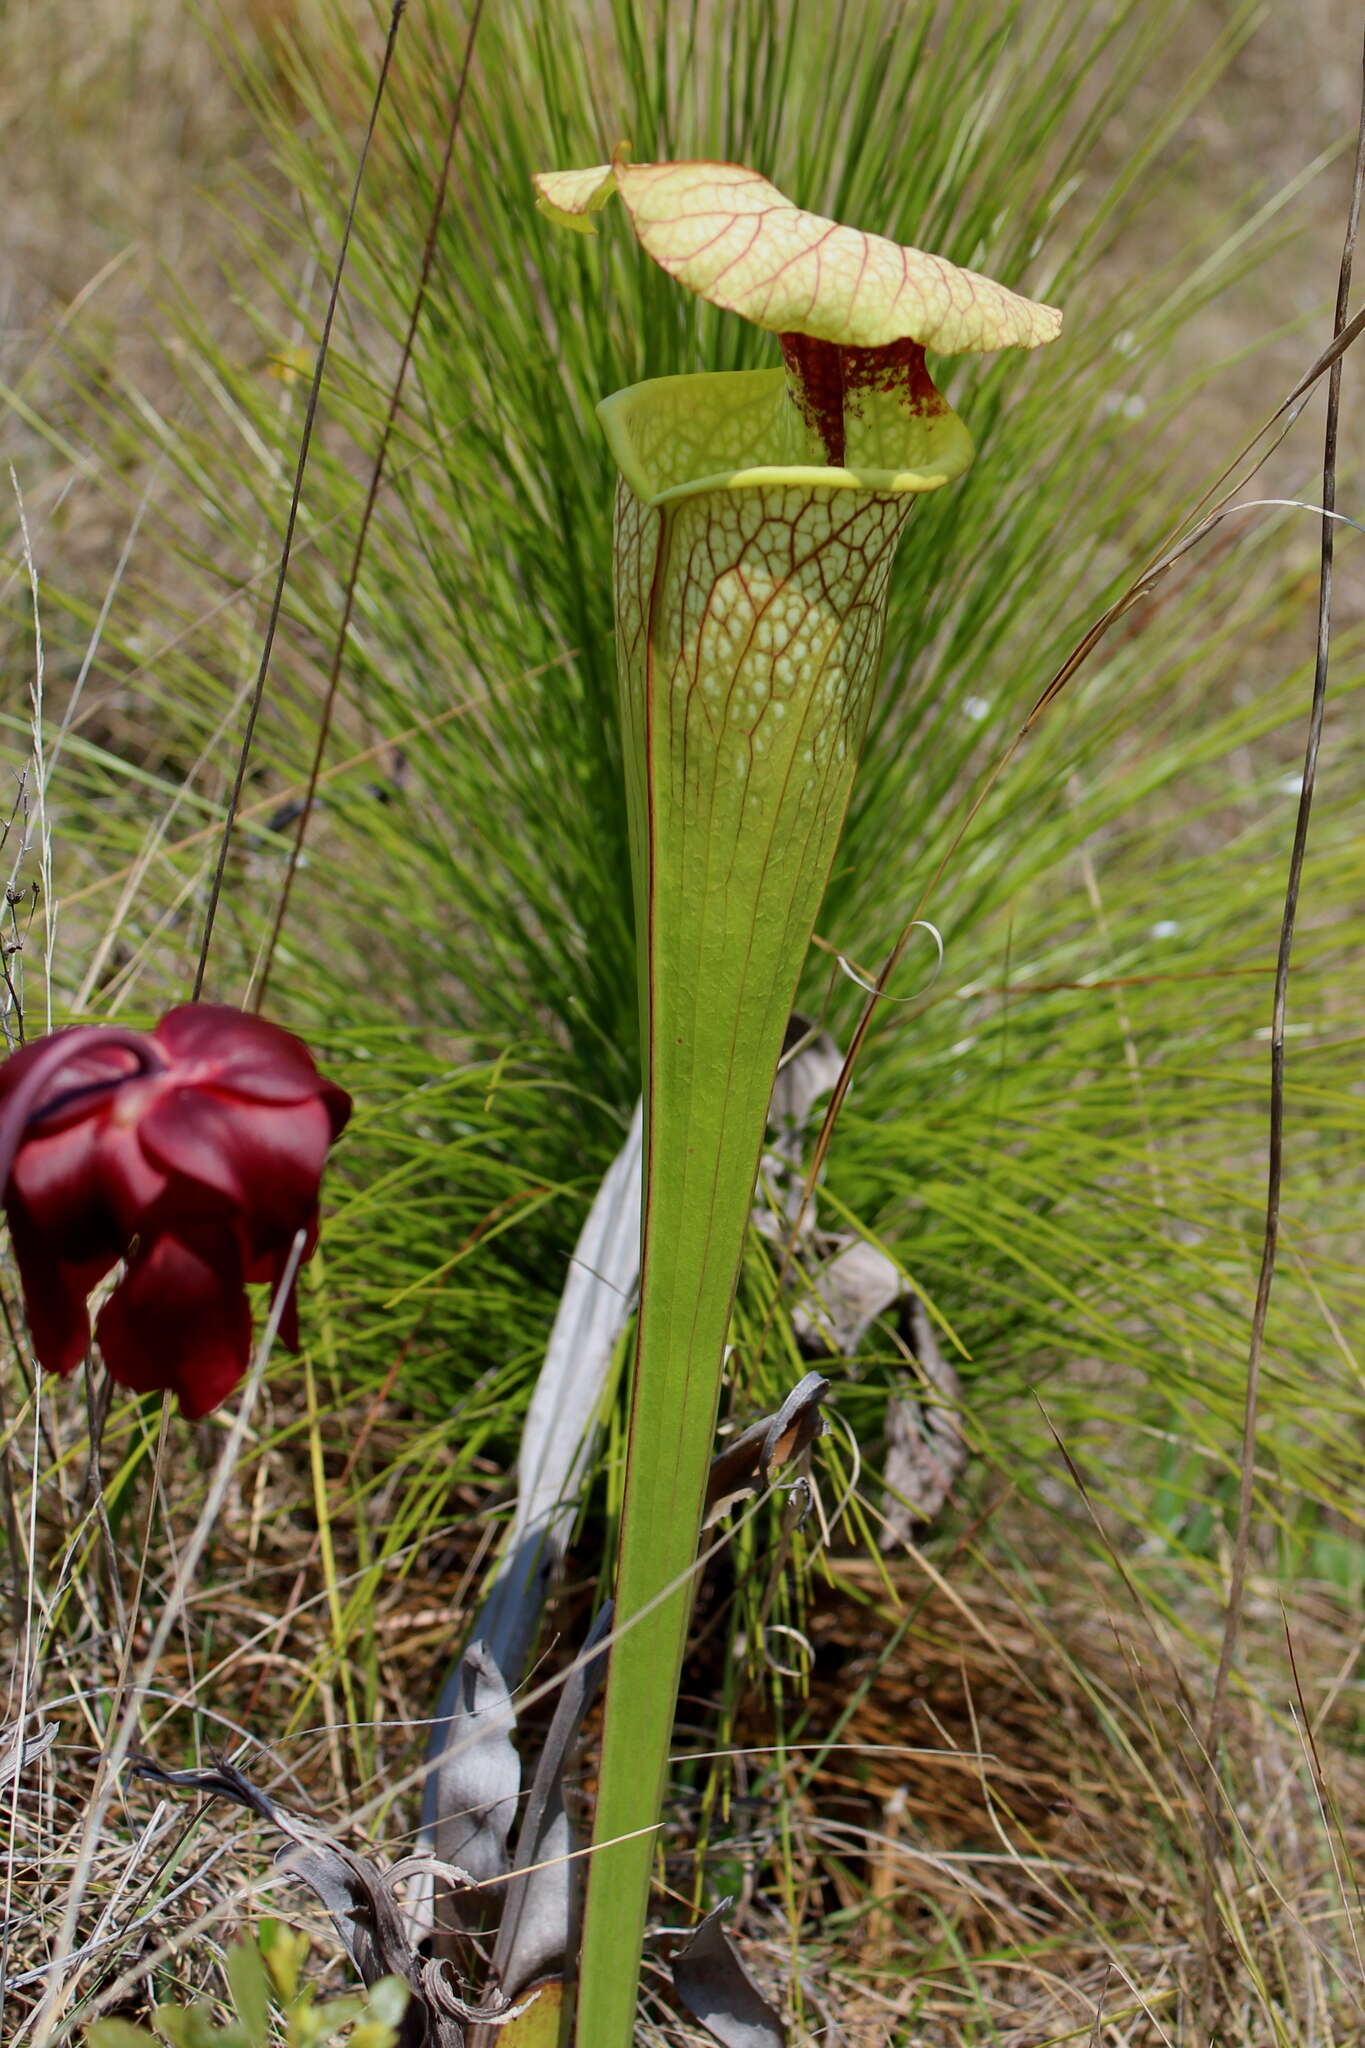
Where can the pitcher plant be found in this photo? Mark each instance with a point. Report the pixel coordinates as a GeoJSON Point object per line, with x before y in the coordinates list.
{"type": "Point", "coordinates": [757, 517]}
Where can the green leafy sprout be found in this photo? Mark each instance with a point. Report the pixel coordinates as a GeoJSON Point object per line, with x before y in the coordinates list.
{"type": "Point", "coordinates": [261, 1973]}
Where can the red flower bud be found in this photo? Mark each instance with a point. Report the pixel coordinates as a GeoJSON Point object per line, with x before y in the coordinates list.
{"type": "Point", "coordinates": [194, 1153]}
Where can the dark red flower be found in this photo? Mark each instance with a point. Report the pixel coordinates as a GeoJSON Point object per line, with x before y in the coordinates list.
{"type": "Point", "coordinates": [193, 1152]}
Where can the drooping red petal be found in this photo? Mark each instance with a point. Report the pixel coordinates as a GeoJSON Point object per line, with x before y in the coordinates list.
{"type": "Point", "coordinates": [88, 1182]}
{"type": "Point", "coordinates": [87, 1067]}
{"type": "Point", "coordinates": [56, 1178]}
{"type": "Point", "coordinates": [193, 1133]}
{"type": "Point", "coordinates": [244, 1054]}
{"type": "Point", "coordinates": [130, 1183]}
{"type": "Point", "coordinates": [264, 1158]}
{"type": "Point", "coordinates": [55, 1291]}
{"type": "Point", "coordinates": [179, 1322]}
{"type": "Point", "coordinates": [337, 1104]}
{"type": "Point", "coordinates": [267, 1269]}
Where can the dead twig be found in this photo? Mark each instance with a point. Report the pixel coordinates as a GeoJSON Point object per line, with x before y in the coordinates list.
{"type": "Point", "coordinates": [1213, 1828]}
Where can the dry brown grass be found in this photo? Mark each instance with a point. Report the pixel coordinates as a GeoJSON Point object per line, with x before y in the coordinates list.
{"type": "Point", "coordinates": [1050, 1817]}
{"type": "Point", "coordinates": [989, 1828]}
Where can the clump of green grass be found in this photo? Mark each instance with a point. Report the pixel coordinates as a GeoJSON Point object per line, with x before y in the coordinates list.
{"type": "Point", "coordinates": [1060, 1142]}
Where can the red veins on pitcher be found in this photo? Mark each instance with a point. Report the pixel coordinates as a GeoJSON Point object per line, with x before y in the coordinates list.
{"type": "Point", "coordinates": [193, 1152]}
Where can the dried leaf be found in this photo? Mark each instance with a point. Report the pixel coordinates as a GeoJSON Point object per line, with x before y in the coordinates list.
{"type": "Point", "coordinates": [747, 1464]}
{"type": "Point", "coordinates": [847, 1294]}
{"type": "Point", "coordinates": [556, 1439]}
{"type": "Point", "coordinates": [926, 1451]}
{"type": "Point", "coordinates": [359, 1897]}
{"type": "Point", "coordinates": [811, 1064]}
{"type": "Point", "coordinates": [597, 1302]}
{"type": "Point", "coordinates": [717, 1990]}
{"type": "Point", "coordinates": [478, 1777]}
{"type": "Point", "coordinates": [16, 1756]}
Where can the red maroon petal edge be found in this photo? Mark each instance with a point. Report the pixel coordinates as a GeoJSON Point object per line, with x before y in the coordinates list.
{"type": "Point", "coordinates": [195, 1154]}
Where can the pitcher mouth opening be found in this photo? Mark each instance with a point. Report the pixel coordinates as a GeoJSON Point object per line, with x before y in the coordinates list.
{"type": "Point", "coordinates": [734, 430]}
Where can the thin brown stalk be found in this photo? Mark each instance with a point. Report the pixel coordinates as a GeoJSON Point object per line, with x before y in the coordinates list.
{"type": "Point", "coordinates": [1275, 1162]}
{"type": "Point", "coordinates": [291, 520]}
{"type": "Point", "coordinates": [367, 514]}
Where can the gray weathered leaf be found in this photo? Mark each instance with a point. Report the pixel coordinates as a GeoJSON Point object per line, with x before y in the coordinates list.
{"type": "Point", "coordinates": [811, 1064]}
{"type": "Point", "coordinates": [538, 1932]}
{"type": "Point", "coordinates": [556, 1439]}
{"type": "Point", "coordinates": [926, 1451]}
{"type": "Point", "coordinates": [714, 1985]}
{"type": "Point", "coordinates": [16, 1755]}
{"type": "Point", "coordinates": [598, 1298]}
{"type": "Point", "coordinates": [847, 1294]}
{"type": "Point", "coordinates": [478, 1777]}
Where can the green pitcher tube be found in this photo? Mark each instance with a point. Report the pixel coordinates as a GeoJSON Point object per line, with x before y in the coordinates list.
{"type": "Point", "coordinates": [757, 518]}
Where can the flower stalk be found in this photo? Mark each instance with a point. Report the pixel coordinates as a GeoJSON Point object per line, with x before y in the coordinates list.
{"type": "Point", "coordinates": [757, 517]}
